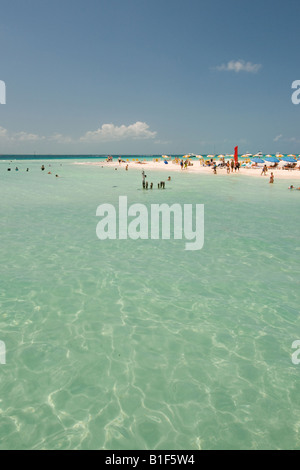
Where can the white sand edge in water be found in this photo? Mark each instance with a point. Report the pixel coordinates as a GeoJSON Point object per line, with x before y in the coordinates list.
{"type": "Point", "coordinates": [197, 168]}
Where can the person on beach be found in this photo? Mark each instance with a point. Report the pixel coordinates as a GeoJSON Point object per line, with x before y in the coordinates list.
{"type": "Point", "coordinates": [271, 178]}
{"type": "Point", "coordinates": [264, 170]}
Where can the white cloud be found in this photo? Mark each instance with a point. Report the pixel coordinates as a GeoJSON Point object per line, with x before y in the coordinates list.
{"type": "Point", "coordinates": [3, 133]}
{"type": "Point", "coordinates": [239, 66]}
{"type": "Point", "coordinates": [110, 132]}
{"type": "Point", "coordinates": [22, 136]}
{"type": "Point", "coordinates": [60, 139]}
{"type": "Point", "coordinates": [106, 133]}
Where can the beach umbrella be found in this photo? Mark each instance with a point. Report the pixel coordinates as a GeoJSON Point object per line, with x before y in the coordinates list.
{"type": "Point", "coordinates": [257, 160]}
{"type": "Point", "coordinates": [288, 159]}
{"type": "Point", "coordinates": [272, 159]}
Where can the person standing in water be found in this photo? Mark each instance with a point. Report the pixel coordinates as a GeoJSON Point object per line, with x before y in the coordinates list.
{"type": "Point", "coordinates": [144, 178]}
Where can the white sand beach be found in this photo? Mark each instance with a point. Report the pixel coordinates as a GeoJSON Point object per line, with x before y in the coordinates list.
{"type": "Point", "coordinates": [196, 167]}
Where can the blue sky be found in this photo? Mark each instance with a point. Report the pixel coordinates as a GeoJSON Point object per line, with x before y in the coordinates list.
{"type": "Point", "coordinates": [149, 76]}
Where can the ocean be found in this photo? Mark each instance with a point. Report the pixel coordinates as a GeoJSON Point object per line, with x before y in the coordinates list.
{"type": "Point", "coordinates": [141, 344]}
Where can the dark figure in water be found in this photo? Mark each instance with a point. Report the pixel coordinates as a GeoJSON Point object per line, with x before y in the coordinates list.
{"type": "Point", "coordinates": [144, 179]}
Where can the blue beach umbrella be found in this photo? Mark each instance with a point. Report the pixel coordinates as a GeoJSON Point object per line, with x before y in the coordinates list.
{"type": "Point", "coordinates": [272, 159]}
{"type": "Point", "coordinates": [257, 160]}
{"type": "Point", "coordinates": [288, 159]}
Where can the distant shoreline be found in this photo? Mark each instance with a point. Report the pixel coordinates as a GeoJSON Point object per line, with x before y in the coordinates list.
{"type": "Point", "coordinates": [196, 169]}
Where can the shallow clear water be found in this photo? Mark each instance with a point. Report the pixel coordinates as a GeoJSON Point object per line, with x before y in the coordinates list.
{"type": "Point", "coordinates": [124, 344]}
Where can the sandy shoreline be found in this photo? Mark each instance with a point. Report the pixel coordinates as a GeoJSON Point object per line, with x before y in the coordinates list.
{"type": "Point", "coordinates": [197, 169]}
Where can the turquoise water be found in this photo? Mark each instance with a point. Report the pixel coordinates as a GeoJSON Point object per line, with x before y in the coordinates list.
{"type": "Point", "coordinates": [124, 344]}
